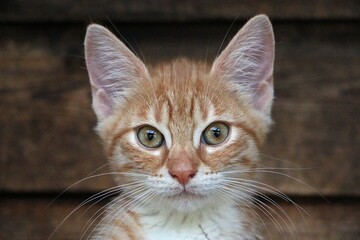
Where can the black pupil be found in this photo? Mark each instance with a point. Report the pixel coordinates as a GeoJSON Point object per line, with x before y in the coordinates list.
{"type": "Point", "coordinates": [150, 134]}
{"type": "Point", "coordinates": [216, 131]}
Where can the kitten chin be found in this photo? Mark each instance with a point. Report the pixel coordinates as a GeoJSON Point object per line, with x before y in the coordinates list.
{"type": "Point", "coordinates": [183, 138]}
{"type": "Point", "coordinates": [184, 204]}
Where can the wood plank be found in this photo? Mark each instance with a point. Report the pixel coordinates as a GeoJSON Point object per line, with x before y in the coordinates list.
{"type": "Point", "coordinates": [331, 221]}
{"type": "Point", "coordinates": [32, 219]}
{"type": "Point", "coordinates": [160, 10]}
{"type": "Point", "coordinates": [46, 121]}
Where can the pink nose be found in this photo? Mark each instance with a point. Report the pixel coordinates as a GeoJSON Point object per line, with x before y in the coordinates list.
{"type": "Point", "coordinates": [183, 176]}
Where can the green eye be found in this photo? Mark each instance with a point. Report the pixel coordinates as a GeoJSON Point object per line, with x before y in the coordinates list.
{"type": "Point", "coordinates": [215, 133]}
{"type": "Point", "coordinates": [150, 137]}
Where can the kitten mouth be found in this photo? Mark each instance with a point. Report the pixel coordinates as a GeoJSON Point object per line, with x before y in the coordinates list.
{"type": "Point", "coordinates": [187, 194]}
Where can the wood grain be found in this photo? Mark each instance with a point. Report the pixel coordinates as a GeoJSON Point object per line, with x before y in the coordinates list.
{"type": "Point", "coordinates": [47, 140]}
{"type": "Point", "coordinates": [46, 137]}
{"type": "Point", "coordinates": [161, 10]}
{"type": "Point", "coordinates": [32, 219]}
{"type": "Point", "coordinates": [330, 221]}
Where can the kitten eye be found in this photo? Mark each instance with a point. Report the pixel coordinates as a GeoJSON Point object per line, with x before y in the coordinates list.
{"type": "Point", "coordinates": [150, 137]}
{"type": "Point", "coordinates": [215, 133]}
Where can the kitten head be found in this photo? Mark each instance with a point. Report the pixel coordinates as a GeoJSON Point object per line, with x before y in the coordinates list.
{"type": "Point", "coordinates": [182, 133]}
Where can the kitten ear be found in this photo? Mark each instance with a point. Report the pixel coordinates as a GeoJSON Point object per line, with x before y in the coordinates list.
{"type": "Point", "coordinates": [113, 69]}
{"type": "Point", "coordinates": [247, 62]}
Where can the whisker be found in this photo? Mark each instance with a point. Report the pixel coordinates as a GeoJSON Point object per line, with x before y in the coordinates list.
{"type": "Point", "coordinates": [295, 179]}
{"type": "Point", "coordinates": [102, 195]}
{"type": "Point", "coordinates": [263, 196]}
{"type": "Point", "coordinates": [113, 203]}
{"type": "Point", "coordinates": [245, 170]}
{"type": "Point", "coordinates": [143, 198]}
{"type": "Point", "coordinates": [122, 37]}
{"type": "Point", "coordinates": [226, 34]}
{"type": "Point", "coordinates": [279, 159]}
{"type": "Point", "coordinates": [82, 180]}
{"type": "Point", "coordinates": [267, 188]}
{"type": "Point", "coordinates": [270, 171]}
{"type": "Point", "coordinates": [120, 188]}
{"type": "Point", "coordinates": [71, 213]}
{"type": "Point", "coordinates": [89, 199]}
{"type": "Point", "coordinates": [133, 200]}
{"type": "Point", "coordinates": [101, 167]}
{"type": "Point", "coordinates": [245, 199]}
{"type": "Point", "coordinates": [96, 216]}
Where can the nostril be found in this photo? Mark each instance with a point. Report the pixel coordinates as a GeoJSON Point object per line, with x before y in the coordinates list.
{"type": "Point", "coordinates": [175, 174]}
{"type": "Point", "coordinates": [183, 177]}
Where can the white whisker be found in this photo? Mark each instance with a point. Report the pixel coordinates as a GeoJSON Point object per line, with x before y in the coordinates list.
{"type": "Point", "coordinates": [130, 195]}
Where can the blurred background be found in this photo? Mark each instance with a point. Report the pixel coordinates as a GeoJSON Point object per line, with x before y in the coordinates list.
{"type": "Point", "coordinates": [47, 141]}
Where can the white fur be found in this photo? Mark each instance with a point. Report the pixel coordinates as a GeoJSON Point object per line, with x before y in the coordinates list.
{"type": "Point", "coordinates": [247, 63]}
{"type": "Point", "coordinates": [158, 222]}
{"type": "Point", "coordinates": [221, 222]}
{"type": "Point", "coordinates": [167, 209]}
{"type": "Point", "coordinates": [113, 69]}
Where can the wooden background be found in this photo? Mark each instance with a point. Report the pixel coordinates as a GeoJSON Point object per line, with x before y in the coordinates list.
{"type": "Point", "coordinates": [46, 137]}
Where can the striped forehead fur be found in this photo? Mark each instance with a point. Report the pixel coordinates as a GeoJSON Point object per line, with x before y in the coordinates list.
{"type": "Point", "coordinates": [180, 94]}
{"type": "Point", "coordinates": [188, 184]}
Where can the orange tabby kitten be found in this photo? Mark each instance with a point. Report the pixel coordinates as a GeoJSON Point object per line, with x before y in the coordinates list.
{"type": "Point", "coordinates": [183, 138]}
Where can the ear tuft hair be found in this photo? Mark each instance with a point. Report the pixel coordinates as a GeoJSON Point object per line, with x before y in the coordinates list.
{"type": "Point", "coordinates": [247, 62]}
{"type": "Point", "coordinates": [113, 69]}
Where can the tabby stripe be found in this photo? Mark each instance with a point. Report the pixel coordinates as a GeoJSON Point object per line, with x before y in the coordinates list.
{"type": "Point", "coordinates": [192, 107]}
{"type": "Point", "coordinates": [247, 162]}
{"type": "Point", "coordinates": [170, 108]}
{"type": "Point", "coordinates": [248, 131]}
{"type": "Point", "coordinates": [134, 216]}
{"type": "Point", "coordinates": [115, 139]}
{"type": "Point", "coordinates": [158, 114]}
{"type": "Point", "coordinates": [129, 232]}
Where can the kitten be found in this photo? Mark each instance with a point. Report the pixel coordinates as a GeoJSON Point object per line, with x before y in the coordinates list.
{"type": "Point", "coordinates": [183, 138]}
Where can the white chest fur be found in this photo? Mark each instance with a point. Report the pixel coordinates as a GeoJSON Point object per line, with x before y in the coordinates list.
{"type": "Point", "coordinates": [223, 223]}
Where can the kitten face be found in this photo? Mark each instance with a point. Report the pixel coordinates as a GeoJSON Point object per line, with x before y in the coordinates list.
{"type": "Point", "coordinates": [181, 132]}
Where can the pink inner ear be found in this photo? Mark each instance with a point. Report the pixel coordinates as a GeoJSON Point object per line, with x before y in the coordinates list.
{"type": "Point", "coordinates": [247, 62]}
{"type": "Point", "coordinates": [102, 105]}
{"type": "Point", "coordinates": [112, 67]}
{"type": "Point", "coordinates": [264, 95]}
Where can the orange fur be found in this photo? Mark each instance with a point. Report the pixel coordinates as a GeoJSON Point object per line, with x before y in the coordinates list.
{"type": "Point", "coordinates": [180, 99]}
{"type": "Point", "coordinates": [176, 88]}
